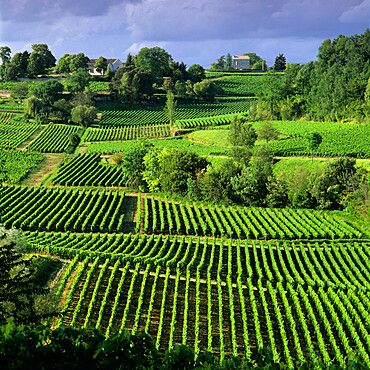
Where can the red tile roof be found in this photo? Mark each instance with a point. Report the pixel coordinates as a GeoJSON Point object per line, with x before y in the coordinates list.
{"type": "Point", "coordinates": [241, 57]}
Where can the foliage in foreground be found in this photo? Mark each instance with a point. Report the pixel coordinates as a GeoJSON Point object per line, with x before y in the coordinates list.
{"type": "Point", "coordinates": [66, 347]}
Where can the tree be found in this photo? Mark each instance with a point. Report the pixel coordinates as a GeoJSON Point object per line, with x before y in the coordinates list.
{"type": "Point", "coordinates": [63, 64]}
{"type": "Point", "coordinates": [253, 58]}
{"type": "Point", "coordinates": [62, 110]}
{"type": "Point", "coordinates": [260, 65]}
{"type": "Point", "coordinates": [136, 85]}
{"type": "Point", "coordinates": [267, 132]}
{"type": "Point", "coordinates": [155, 60]}
{"type": "Point", "coordinates": [133, 161]}
{"type": "Point", "coordinates": [49, 91]}
{"type": "Point", "coordinates": [83, 115]}
{"type": "Point", "coordinates": [78, 80]}
{"type": "Point", "coordinates": [5, 53]}
{"type": "Point", "coordinates": [20, 62]}
{"type": "Point", "coordinates": [101, 65]}
{"type": "Point", "coordinates": [17, 288]}
{"type": "Point", "coordinates": [196, 73]}
{"type": "Point", "coordinates": [78, 61]}
{"type": "Point", "coordinates": [180, 89]}
{"type": "Point", "coordinates": [229, 62]}
{"type": "Point", "coordinates": [74, 139]}
{"type": "Point", "coordinates": [215, 185]}
{"type": "Point", "coordinates": [170, 106]}
{"type": "Point", "coordinates": [19, 91]}
{"type": "Point", "coordinates": [44, 60]}
{"type": "Point", "coordinates": [34, 107]}
{"type": "Point", "coordinates": [314, 140]}
{"type": "Point", "coordinates": [242, 137]}
{"type": "Point", "coordinates": [331, 187]}
{"type": "Point", "coordinates": [220, 64]}
{"type": "Point", "coordinates": [207, 90]}
{"type": "Point", "coordinates": [176, 166]}
{"type": "Point", "coordinates": [251, 185]}
{"type": "Point", "coordinates": [35, 65]}
{"type": "Point", "coordinates": [83, 98]}
{"type": "Point", "coordinates": [179, 72]}
{"type": "Point", "coordinates": [8, 72]}
{"type": "Point", "coordinates": [129, 60]}
{"type": "Point", "coordinates": [71, 63]}
{"type": "Point", "coordinates": [280, 63]}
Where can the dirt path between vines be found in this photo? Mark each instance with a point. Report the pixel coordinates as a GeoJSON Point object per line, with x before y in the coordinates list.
{"type": "Point", "coordinates": [50, 162]}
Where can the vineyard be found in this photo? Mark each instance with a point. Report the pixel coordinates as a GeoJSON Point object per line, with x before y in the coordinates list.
{"type": "Point", "coordinates": [304, 300]}
{"type": "Point", "coordinates": [227, 279]}
{"type": "Point", "coordinates": [126, 133]}
{"type": "Point", "coordinates": [53, 139]}
{"type": "Point", "coordinates": [337, 140]}
{"type": "Point", "coordinates": [174, 143]}
{"type": "Point", "coordinates": [165, 217]}
{"type": "Point", "coordinates": [81, 211]}
{"type": "Point", "coordinates": [10, 106]}
{"type": "Point", "coordinates": [17, 164]}
{"type": "Point", "coordinates": [241, 85]}
{"type": "Point", "coordinates": [87, 170]}
{"type": "Point", "coordinates": [35, 208]}
{"type": "Point", "coordinates": [156, 115]}
{"type": "Point", "coordinates": [14, 130]}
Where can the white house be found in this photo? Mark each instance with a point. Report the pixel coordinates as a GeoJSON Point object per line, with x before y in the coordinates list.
{"type": "Point", "coordinates": [113, 64]}
{"type": "Point", "coordinates": [241, 62]}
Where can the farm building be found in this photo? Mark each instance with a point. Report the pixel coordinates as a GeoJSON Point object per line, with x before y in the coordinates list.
{"type": "Point", "coordinates": [241, 62]}
{"type": "Point", "coordinates": [113, 64]}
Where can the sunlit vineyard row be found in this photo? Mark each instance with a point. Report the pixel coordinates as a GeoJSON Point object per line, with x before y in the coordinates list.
{"type": "Point", "coordinates": [307, 301]}
{"type": "Point", "coordinates": [88, 170]}
{"type": "Point", "coordinates": [17, 164]}
{"type": "Point", "coordinates": [125, 133]}
{"type": "Point", "coordinates": [14, 130]}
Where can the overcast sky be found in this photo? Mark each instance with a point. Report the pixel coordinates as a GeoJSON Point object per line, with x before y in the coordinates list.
{"type": "Point", "coordinates": [193, 31]}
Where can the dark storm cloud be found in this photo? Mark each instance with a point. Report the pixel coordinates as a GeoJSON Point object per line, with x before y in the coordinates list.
{"type": "Point", "coordinates": [217, 19]}
{"type": "Point", "coordinates": [197, 30]}
{"type": "Point", "coordinates": [47, 10]}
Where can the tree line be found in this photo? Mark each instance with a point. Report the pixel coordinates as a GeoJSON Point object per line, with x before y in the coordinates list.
{"type": "Point", "coordinates": [336, 87]}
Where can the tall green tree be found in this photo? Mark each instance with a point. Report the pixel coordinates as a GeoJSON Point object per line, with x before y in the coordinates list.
{"type": "Point", "coordinates": [229, 62]}
{"type": "Point", "coordinates": [155, 60]}
{"type": "Point", "coordinates": [5, 54]}
{"type": "Point", "coordinates": [48, 91]}
{"type": "Point", "coordinates": [136, 85]}
{"type": "Point", "coordinates": [19, 91]}
{"type": "Point", "coordinates": [252, 184]}
{"type": "Point", "coordinates": [20, 62]}
{"type": "Point", "coordinates": [220, 64]}
{"type": "Point", "coordinates": [207, 90]}
{"type": "Point", "coordinates": [331, 187]}
{"type": "Point", "coordinates": [314, 140]}
{"type": "Point", "coordinates": [83, 115]}
{"type": "Point", "coordinates": [196, 73]}
{"type": "Point", "coordinates": [17, 289]}
{"type": "Point", "coordinates": [78, 80]}
{"type": "Point", "coordinates": [44, 60]}
{"type": "Point", "coordinates": [101, 65]}
{"type": "Point", "coordinates": [170, 107]}
{"type": "Point", "coordinates": [71, 63]}
{"type": "Point", "coordinates": [267, 132]}
{"type": "Point", "coordinates": [35, 65]}
{"type": "Point", "coordinates": [34, 107]}
{"type": "Point", "coordinates": [280, 63]}
{"type": "Point", "coordinates": [242, 137]}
